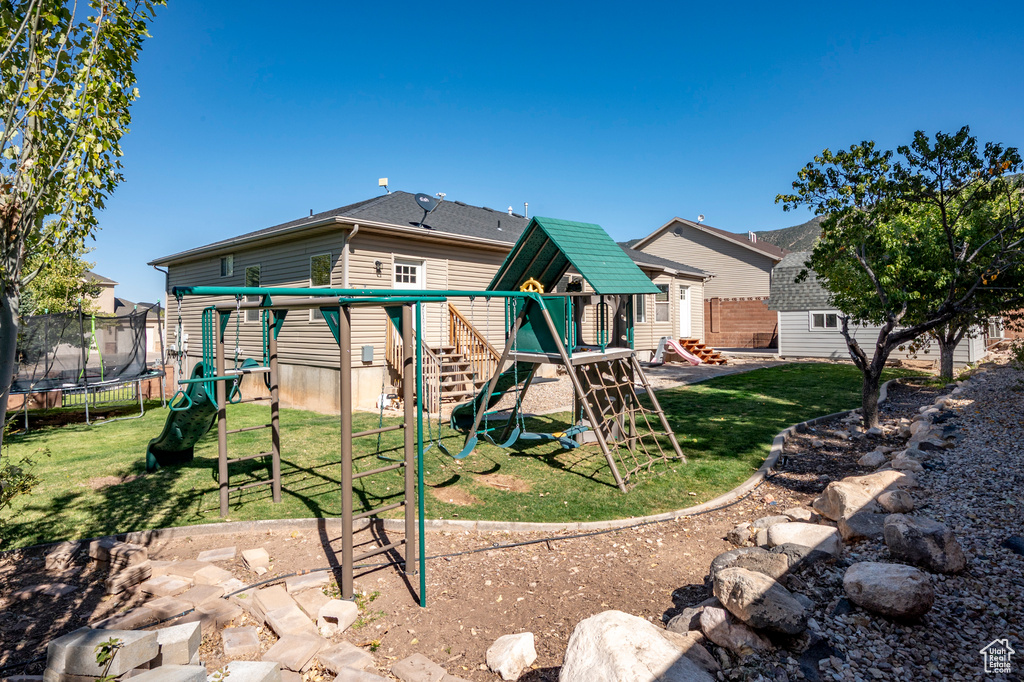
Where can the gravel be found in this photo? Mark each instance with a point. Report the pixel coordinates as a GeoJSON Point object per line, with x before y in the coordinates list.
{"type": "Point", "coordinates": [975, 488]}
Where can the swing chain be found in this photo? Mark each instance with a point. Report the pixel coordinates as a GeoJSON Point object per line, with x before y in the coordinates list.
{"type": "Point", "coordinates": [238, 324]}
{"type": "Point", "coordinates": [180, 342]}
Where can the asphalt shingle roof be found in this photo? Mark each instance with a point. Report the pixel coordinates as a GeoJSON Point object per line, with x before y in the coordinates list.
{"type": "Point", "coordinates": [644, 257]}
{"type": "Point", "coordinates": [787, 294]}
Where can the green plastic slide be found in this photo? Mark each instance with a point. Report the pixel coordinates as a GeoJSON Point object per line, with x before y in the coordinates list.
{"type": "Point", "coordinates": [184, 427]}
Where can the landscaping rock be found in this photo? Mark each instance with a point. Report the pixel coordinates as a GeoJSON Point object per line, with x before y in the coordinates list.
{"type": "Point", "coordinates": [254, 559]}
{"type": "Point", "coordinates": [801, 514]}
{"type": "Point", "coordinates": [178, 644]}
{"type": "Point", "coordinates": [240, 642]}
{"type": "Point", "coordinates": [902, 462]}
{"type": "Point", "coordinates": [752, 558]}
{"type": "Point", "coordinates": [924, 542]}
{"type": "Point", "coordinates": [801, 556]}
{"type": "Point", "coordinates": [856, 493]}
{"type": "Point", "coordinates": [253, 671]}
{"type": "Point", "coordinates": [740, 535]}
{"type": "Point", "coordinates": [219, 554]}
{"type": "Point", "coordinates": [692, 645]}
{"type": "Point", "coordinates": [823, 538]}
{"type": "Point", "coordinates": [344, 655]}
{"type": "Point", "coordinates": [686, 621]}
{"type": "Point", "coordinates": [892, 590]}
{"type": "Point", "coordinates": [896, 501]}
{"type": "Point", "coordinates": [614, 646]}
{"type": "Point", "coordinates": [759, 601]}
{"type": "Point", "coordinates": [769, 521]}
{"type": "Point", "coordinates": [510, 655]}
{"type": "Point", "coordinates": [336, 616]}
{"type": "Point", "coordinates": [723, 629]}
{"type": "Point", "coordinates": [872, 459]}
{"type": "Point", "coordinates": [417, 668]}
{"type": "Point", "coordinates": [862, 526]}
{"type": "Point", "coordinates": [1014, 543]}
{"type": "Point", "coordinates": [75, 653]}
{"type": "Point", "coordinates": [295, 652]}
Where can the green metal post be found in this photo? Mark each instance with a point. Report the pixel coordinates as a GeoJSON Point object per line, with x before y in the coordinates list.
{"type": "Point", "coordinates": [419, 454]}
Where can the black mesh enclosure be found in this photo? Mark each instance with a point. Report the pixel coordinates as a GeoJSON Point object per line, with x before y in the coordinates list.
{"type": "Point", "coordinates": [65, 350]}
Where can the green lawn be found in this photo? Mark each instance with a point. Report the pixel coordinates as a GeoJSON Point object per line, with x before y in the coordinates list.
{"type": "Point", "coordinates": [725, 427]}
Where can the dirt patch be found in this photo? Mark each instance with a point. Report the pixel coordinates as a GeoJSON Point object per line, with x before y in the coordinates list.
{"type": "Point", "coordinates": [451, 495]}
{"type": "Point", "coordinates": [101, 482]}
{"type": "Point", "coordinates": [504, 482]}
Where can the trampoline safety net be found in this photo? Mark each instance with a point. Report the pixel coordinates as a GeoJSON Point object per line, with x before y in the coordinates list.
{"type": "Point", "coordinates": [69, 350]}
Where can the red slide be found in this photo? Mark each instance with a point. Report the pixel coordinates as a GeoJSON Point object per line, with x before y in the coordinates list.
{"type": "Point", "coordinates": [682, 352]}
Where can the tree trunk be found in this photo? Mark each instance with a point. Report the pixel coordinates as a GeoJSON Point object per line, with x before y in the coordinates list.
{"type": "Point", "coordinates": [869, 395]}
{"type": "Point", "coordinates": [945, 358]}
{"type": "Point", "coordinates": [9, 302]}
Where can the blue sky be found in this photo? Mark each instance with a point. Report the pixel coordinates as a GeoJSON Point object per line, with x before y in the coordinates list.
{"type": "Point", "coordinates": [625, 115]}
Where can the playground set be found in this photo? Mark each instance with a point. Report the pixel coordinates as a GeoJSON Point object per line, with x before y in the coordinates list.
{"type": "Point", "coordinates": [541, 328]}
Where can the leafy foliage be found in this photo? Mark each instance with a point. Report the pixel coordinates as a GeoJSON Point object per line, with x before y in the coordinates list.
{"type": "Point", "coordinates": [61, 286]}
{"type": "Point", "coordinates": [16, 479]}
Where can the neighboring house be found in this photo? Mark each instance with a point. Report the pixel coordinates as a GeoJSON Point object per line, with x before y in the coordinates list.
{"type": "Point", "coordinates": [739, 269]}
{"type": "Point", "coordinates": [809, 327]}
{"type": "Point", "coordinates": [380, 243]}
{"type": "Point", "coordinates": [105, 299]}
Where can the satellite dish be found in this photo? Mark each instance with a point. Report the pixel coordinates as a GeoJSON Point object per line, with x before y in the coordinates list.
{"type": "Point", "coordinates": [700, 218]}
{"type": "Point", "coordinates": [426, 202]}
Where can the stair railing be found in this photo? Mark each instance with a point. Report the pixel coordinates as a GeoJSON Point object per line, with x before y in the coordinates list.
{"type": "Point", "coordinates": [393, 353]}
{"type": "Point", "coordinates": [472, 345]}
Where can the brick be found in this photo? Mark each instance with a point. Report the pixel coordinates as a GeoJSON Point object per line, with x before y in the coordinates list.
{"type": "Point", "coordinates": [159, 567]}
{"type": "Point", "coordinates": [254, 671]}
{"type": "Point", "coordinates": [418, 668]}
{"type": "Point", "coordinates": [344, 655]}
{"type": "Point", "coordinates": [223, 612]}
{"type": "Point", "coordinates": [165, 586]}
{"type": "Point", "coordinates": [46, 589]}
{"type": "Point", "coordinates": [187, 568]}
{"type": "Point", "coordinates": [353, 675]}
{"type": "Point", "coordinates": [295, 652]}
{"type": "Point", "coordinates": [178, 644]}
{"type": "Point", "coordinates": [219, 554]}
{"type": "Point", "coordinates": [241, 642]}
{"type": "Point", "coordinates": [289, 676]}
{"type": "Point", "coordinates": [138, 617]}
{"type": "Point", "coordinates": [51, 676]}
{"type": "Point", "coordinates": [75, 654]}
{"type": "Point", "coordinates": [298, 583]}
{"type": "Point", "coordinates": [336, 616]}
{"type": "Point", "coordinates": [173, 673]}
{"type": "Point", "coordinates": [128, 578]}
{"type": "Point", "coordinates": [61, 556]}
{"type": "Point", "coordinates": [232, 585]}
{"type": "Point", "coordinates": [270, 599]}
{"type": "Point", "coordinates": [123, 555]}
{"type": "Point", "coordinates": [99, 550]}
{"type": "Point", "coordinates": [211, 575]}
{"type": "Point", "coordinates": [256, 558]}
{"type": "Point", "coordinates": [200, 594]}
{"type": "Point", "coordinates": [24, 678]}
{"type": "Point", "coordinates": [310, 602]}
{"type": "Point", "coordinates": [290, 620]}
{"type": "Point", "coordinates": [168, 607]}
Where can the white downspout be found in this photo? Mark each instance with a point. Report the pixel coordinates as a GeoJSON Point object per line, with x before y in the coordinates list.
{"type": "Point", "coordinates": [345, 256]}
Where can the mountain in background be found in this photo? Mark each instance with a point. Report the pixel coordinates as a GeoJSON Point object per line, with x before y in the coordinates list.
{"type": "Point", "coordinates": [797, 238]}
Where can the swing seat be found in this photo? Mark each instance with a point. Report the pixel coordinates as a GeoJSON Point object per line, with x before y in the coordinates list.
{"type": "Point", "coordinates": [564, 438]}
{"type": "Point", "coordinates": [467, 449]}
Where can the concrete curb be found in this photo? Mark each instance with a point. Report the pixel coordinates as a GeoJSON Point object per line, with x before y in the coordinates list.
{"type": "Point", "coordinates": [334, 525]}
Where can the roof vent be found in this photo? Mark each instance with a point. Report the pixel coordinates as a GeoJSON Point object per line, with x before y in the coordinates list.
{"type": "Point", "coordinates": [752, 237]}
{"type": "Point", "coordinates": [510, 210]}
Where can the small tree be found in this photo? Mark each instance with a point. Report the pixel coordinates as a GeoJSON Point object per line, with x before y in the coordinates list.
{"type": "Point", "coordinates": [68, 85]}
{"type": "Point", "coordinates": [61, 286]}
{"type": "Point", "coordinates": [910, 245]}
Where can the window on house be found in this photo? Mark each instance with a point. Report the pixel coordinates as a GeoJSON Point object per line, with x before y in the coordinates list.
{"type": "Point", "coordinates": [319, 276]}
{"type": "Point", "coordinates": [639, 308]}
{"type": "Point", "coordinates": [408, 274]}
{"type": "Point", "coordinates": [252, 279]}
{"type": "Point", "coordinates": [823, 321]}
{"type": "Point", "coordinates": [661, 304]}
{"type": "Point", "coordinates": [227, 265]}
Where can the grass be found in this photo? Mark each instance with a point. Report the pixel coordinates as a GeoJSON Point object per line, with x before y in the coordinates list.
{"type": "Point", "coordinates": [94, 481]}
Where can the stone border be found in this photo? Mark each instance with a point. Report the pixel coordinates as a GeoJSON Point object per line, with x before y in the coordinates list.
{"type": "Point", "coordinates": [334, 524]}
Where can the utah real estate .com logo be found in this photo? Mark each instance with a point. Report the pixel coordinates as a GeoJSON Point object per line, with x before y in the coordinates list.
{"type": "Point", "coordinates": [997, 656]}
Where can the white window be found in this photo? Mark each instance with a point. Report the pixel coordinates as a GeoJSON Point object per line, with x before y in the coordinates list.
{"type": "Point", "coordinates": [661, 312]}
{"type": "Point", "coordinates": [822, 320]}
{"type": "Point", "coordinates": [252, 279]}
{"type": "Point", "coordinates": [319, 276]}
{"type": "Point", "coordinates": [227, 265]}
{"type": "Point", "coordinates": [639, 308]}
{"type": "Point", "coordinates": [408, 274]}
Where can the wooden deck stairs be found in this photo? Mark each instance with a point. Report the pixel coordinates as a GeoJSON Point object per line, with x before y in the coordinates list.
{"type": "Point", "coordinates": [706, 353]}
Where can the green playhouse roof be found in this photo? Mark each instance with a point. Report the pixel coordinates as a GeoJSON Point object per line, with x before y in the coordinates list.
{"type": "Point", "coordinates": [548, 247]}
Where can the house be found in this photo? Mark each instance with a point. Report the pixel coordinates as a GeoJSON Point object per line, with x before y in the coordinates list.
{"type": "Point", "coordinates": [386, 242]}
{"type": "Point", "coordinates": [105, 299]}
{"type": "Point", "coordinates": [735, 313]}
{"type": "Point", "coordinates": [809, 326]}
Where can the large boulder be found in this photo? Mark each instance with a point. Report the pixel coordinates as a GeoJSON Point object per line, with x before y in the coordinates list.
{"type": "Point", "coordinates": [759, 601]}
{"type": "Point", "coordinates": [614, 646]}
{"type": "Point", "coordinates": [862, 526]}
{"type": "Point", "coordinates": [924, 542]}
{"type": "Point", "coordinates": [752, 558]}
{"type": "Point", "coordinates": [692, 645]}
{"type": "Point", "coordinates": [892, 590]}
{"type": "Point", "coordinates": [896, 501]}
{"type": "Point", "coordinates": [857, 493]}
{"type": "Point", "coordinates": [722, 628]}
{"type": "Point", "coordinates": [823, 538]}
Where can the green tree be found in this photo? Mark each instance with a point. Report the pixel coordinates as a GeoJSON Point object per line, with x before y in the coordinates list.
{"type": "Point", "coordinates": [67, 84]}
{"type": "Point", "coordinates": [61, 286]}
{"type": "Point", "coordinates": [912, 243]}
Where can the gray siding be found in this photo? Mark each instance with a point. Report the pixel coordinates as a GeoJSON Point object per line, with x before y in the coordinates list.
{"type": "Point", "coordinates": [738, 271]}
{"type": "Point", "coordinates": [796, 340]}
